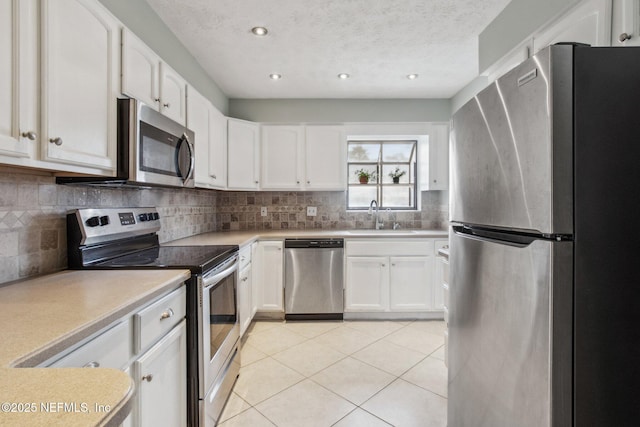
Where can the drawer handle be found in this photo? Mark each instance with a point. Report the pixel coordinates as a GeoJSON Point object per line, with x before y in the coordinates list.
{"type": "Point", "coordinates": [244, 279]}
{"type": "Point", "coordinates": [148, 378]}
{"type": "Point", "coordinates": [92, 365]}
{"type": "Point", "coordinates": [166, 314]}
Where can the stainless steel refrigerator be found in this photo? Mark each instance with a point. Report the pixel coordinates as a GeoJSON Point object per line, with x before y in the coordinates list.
{"type": "Point", "coordinates": [544, 326]}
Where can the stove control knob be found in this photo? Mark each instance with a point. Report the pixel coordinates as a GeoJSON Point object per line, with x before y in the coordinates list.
{"type": "Point", "coordinates": [104, 220]}
{"type": "Point", "coordinates": [150, 216]}
{"type": "Point", "coordinates": [156, 216]}
{"type": "Point", "coordinates": [142, 217]}
{"type": "Point", "coordinates": [94, 221]}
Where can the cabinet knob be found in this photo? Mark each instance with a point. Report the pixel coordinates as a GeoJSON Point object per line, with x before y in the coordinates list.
{"type": "Point", "coordinates": [147, 377]}
{"type": "Point", "coordinates": [93, 364]}
{"type": "Point", "coordinates": [435, 180]}
{"type": "Point", "coordinates": [256, 182]}
{"type": "Point", "coordinates": [166, 314]}
{"type": "Point", "coordinates": [57, 141]}
{"type": "Point", "coordinates": [29, 135]}
{"type": "Point", "coordinates": [624, 37]}
{"type": "Point", "coordinates": [383, 265]}
{"type": "Point", "coordinates": [308, 182]}
{"type": "Point", "coordinates": [297, 182]}
{"type": "Point", "coordinates": [393, 265]}
{"type": "Point", "coordinates": [214, 177]}
{"type": "Point", "coordinates": [156, 99]}
{"type": "Point", "coordinates": [167, 105]}
{"type": "Point", "coordinates": [244, 279]}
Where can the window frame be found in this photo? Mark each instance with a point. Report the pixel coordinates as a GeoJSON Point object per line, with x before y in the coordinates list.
{"type": "Point", "coordinates": [418, 142]}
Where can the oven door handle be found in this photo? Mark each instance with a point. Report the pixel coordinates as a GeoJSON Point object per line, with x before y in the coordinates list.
{"type": "Point", "coordinates": [212, 280]}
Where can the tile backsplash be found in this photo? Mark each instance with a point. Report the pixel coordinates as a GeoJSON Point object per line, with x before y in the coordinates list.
{"type": "Point", "coordinates": [33, 212]}
{"type": "Point", "coordinates": [288, 210]}
{"type": "Point", "coordinates": [33, 230]}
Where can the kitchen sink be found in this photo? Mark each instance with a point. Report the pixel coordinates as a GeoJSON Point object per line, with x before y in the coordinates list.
{"type": "Point", "coordinates": [388, 231]}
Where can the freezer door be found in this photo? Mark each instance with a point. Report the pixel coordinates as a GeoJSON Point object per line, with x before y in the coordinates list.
{"type": "Point", "coordinates": [509, 333]}
{"type": "Point", "coordinates": [511, 149]}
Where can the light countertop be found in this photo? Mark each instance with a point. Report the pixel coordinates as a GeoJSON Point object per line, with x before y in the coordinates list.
{"type": "Point", "coordinates": [243, 238]}
{"type": "Point", "coordinates": [43, 316]}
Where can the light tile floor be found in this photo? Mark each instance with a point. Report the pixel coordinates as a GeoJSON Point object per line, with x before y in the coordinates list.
{"type": "Point", "coordinates": [342, 374]}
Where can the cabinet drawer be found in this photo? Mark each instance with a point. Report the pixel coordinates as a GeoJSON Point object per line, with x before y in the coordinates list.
{"type": "Point", "coordinates": [159, 318]}
{"type": "Point", "coordinates": [389, 247]}
{"type": "Point", "coordinates": [111, 349]}
{"type": "Point", "coordinates": [244, 257]}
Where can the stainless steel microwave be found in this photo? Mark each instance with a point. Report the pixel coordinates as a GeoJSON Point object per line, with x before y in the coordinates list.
{"type": "Point", "coordinates": [153, 150]}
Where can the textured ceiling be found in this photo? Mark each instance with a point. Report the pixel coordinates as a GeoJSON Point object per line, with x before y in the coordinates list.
{"type": "Point", "coordinates": [377, 42]}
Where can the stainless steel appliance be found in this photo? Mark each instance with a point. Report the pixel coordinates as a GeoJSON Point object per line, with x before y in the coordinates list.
{"type": "Point", "coordinates": [152, 150]}
{"type": "Point", "coordinates": [313, 278]}
{"type": "Point", "coordinates": [544, 303]}
{"type": "Point", "coordinates": [127, 238]}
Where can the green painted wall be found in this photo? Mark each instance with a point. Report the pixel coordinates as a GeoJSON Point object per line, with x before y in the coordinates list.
{"type": "Point", "coordinates": [340, 110]}
{"type": "Point", "coordinates": [138, 16]}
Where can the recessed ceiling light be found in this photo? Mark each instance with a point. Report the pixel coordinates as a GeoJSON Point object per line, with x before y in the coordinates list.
{"type": "Point", "coordinates": [275, 76]}
{"type": "Point", "coordinates": [343, 76]}
{"type": "Point", "coordinates": [412, 76]}
{"type": "Point", "coordinates": [259, 31]}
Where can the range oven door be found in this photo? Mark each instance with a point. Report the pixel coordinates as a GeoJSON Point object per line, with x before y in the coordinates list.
{"type": "Point", "coordinates": [218, 321]}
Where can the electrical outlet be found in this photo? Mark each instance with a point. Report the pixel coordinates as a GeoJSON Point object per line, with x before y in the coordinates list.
{"type": "Point", "coordinates": [263, 211]}
{"type": "Point", "coordinates": [312, 211]}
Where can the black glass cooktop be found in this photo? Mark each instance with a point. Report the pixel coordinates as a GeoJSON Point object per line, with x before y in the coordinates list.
{"type": "Point", "coordinates": [196, 258]}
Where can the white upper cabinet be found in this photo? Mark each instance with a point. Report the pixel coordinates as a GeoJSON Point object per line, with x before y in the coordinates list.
{"type": "Point", "coordinates": [210, 128]}
{"type": "Point", "coordinates": [173, 94]}
{"type": "Point", "coordinates": [282, 154]}
{"type": "Point", "coordinates": [433, 154]}
{"type": "Point", "coordinates": [147, 78]}
{"type": "Point", "coordinates": [625, 23]}
{"type": "Point", "coordinates": [325, 158]}
{"type": "Point", "coordinates": [303, 157]}
{"type": "Point", "coordinates": [80, 73]}
{"type": "Point", "coordinates": [589, 22]}
{"type": "Point", "coordinates": [19, 128]}
{"type": "Point", "coordinates": [243, 155]}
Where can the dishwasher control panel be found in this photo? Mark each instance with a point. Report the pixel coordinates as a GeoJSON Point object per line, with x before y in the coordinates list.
{"type": "Point", "coordinates": [314, 243]}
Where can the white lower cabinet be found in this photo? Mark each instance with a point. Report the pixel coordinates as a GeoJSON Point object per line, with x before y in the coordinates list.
{"type": "Point", "coordinates": [367, 284]}
{"type": "Point", "coordinates": [269, 273]}
{"type": "Point", "coordinates": [161, 381]}
{"type": "Point", "coordinates": [149, 344]}
{"type": "Point", "coordinates": [245, 289]}
{"type": "Point", "coordinates": [390, 276]}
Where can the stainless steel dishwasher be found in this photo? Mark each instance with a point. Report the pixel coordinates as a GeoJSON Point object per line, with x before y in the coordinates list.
{"type": "Point", "coordinates": [313, 278]}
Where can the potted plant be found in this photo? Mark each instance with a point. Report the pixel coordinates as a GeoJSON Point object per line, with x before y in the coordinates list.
{"type": "Point", "coordinates": [364, 175]}
{"type": "Point", "coordinates": [396, 174]}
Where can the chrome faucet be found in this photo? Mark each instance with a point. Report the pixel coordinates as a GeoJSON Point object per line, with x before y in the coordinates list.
{"type": "Point", "coordinates": [379, 224]}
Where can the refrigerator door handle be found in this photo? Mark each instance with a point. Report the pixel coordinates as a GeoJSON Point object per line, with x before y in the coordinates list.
{"type": "Point", "coordinates": [520, 240]}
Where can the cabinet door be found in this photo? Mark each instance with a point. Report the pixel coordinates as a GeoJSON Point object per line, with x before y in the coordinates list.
{"type": "Point", "coordinates": [80, 73]}
{"type": "Point", "coordinates": [589, 22]}
{"type": "Point", "coordinates": [140, 70]}
{"type": "Point", "coordinates": [162, 376]}
{"type": "Point", "coordinates": [244, 298]}
{"type": "Point", "coordinates": [411, 283]}
{"type": "Point", "coordinates": [218, 150]}
{"type": "Point", "coordinates": [255, 282]}
{"type": "Point", "coordinates": [268, 268]}
{"type": "Point", "coordinates": [281, 148]}
{"type": "Point", "coordinates": [243, 155]}
{"type": "Point", "coordinates": [173, 94]}
{"type": "Point", "coordinates": [625, 23]}
{"type": "Point", "coordinates": [325, 158]}
{"type": "Point", "coordinates": [199, 117]}
{"type": "Point", "coordinates": [367, 285]}
{"type": "Point", "coordinates": [18, 79]}
{"type": "Point", "coordinates": [434, 158]}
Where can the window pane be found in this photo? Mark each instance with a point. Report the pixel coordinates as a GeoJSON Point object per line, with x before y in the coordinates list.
{"type": "Point", "coordinates": [356, 169]}
{"type": "Point", "coordinates": [397, 152]}
{"type": "Point", "coordinates": [364, 152]}
{"type": "Point", "coordinates": [360, 196]}
{"type": "Point", "coordinates": [397, 196]}
{"type": "Point", "coordinates": [391, 169]}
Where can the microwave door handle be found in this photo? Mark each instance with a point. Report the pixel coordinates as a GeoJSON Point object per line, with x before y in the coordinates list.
{"type": "Point", "coordinates": [187, 176]}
